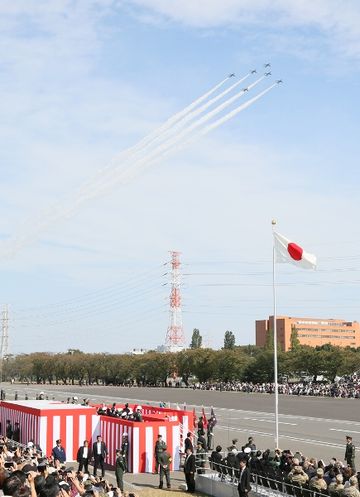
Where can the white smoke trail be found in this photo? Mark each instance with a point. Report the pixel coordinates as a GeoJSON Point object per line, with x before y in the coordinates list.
{"type": "Point", "coordinates": [144, 142]}
{"type": "Point", "coordinates": [169, 143]}
{"type": "Point", "coordinates": [174, 123]}
{"type": "Point", "coordinates": [201, 132]}
{"type": "Point", "coordinates": [236, 111]}
{"type": "Point", "coordinates": [191, 115]}
{"type": "Point", "coordinates": [59, 211]}
{"type": "Point", "coordinates": [126, 174]}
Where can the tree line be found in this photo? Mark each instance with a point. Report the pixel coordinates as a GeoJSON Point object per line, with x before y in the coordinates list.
{"type": "Point", "coordinates": [238, 363]}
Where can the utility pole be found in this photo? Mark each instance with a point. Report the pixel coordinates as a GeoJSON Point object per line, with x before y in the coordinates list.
{"type": "Point", "coordinates": [175, 338]}
{"type": "Point", "coordinates": [4, 338]}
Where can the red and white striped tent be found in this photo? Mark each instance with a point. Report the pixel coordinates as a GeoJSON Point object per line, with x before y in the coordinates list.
{"type": "Point", "coordinates": [44, 421]}
{"type": "Point", "coordinates": [142, 438]}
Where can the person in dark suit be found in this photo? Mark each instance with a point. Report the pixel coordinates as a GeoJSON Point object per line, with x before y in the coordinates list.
{"type": "Point", "coordinates": [188, 443]}
{"type": "Point", "coordinates": [189, 470]}
{"type": "Point", "coordinates": [84, 457]}
{"type": "Point", "coordinates": [58, 452]}
{"type": "Point", "coordinates": [216, 460]}
{"type": "Point", "coordinates": [244, 486]}
{"type": "Point", "coordinates": [99, 452]}
{"type": "Point", "coordinates": [16, 432]}
{"type": "Point", "coordinates": [9, 429]}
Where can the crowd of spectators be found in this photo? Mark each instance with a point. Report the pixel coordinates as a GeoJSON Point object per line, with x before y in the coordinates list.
{"type": "Point", "coordinates": [348, 387]}
{"type": "Point", "coordinates": [124, 413]}
{"type": "Point", "coordinates": [26, 472]}
{"type": "Point", "coordinates": [290, 472]}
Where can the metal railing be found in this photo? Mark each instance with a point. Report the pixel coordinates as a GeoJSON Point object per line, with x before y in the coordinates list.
{"type": "Point", "coordinates": [261, 483]}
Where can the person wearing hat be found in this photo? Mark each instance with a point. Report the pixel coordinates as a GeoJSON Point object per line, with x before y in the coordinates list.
{"type": "Point", "coordinates": [138, 414]}
{"type": "Point", "coordinates": [336, 487]}
{"type": "Point", "coordinates": [350, 453]}
{"type": "Point", "coordinates": [164, 464]}
{"type": "Point", "coordinates": [58, 452]}
{"type": "Point", "coordinates": [251, 444]}
{"type": "Point", "coordinates": [317, 482]}
{"type": "Point", "coordinates": [200, 457]}
{"type": "Point", "coordinates": [125, 449]}
{"type": "Point", "coordinates": [298, 476]}
{"type": "Point", "coordinates": [120, 468]}
{"type": "Point", "coordinates": [160, 446]}
{"type": "Point", "coordinates": [244, 486]}
{"type": "Point", "coordinates": [351, 490]}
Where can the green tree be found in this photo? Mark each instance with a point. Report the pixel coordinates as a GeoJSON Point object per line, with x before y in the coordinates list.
{"type": "Point", "coordinates": [229, 340]}
{"type": "Point", "coordinates": [294, 339]}
{"type": "Point", "coordinates": [196, 339]}
{"type": "Point", "coordinates": [204, 364]}
{"type": "Point", "coordinates": [261, 368]}
{"type": "Point", "coordinates": [230, 364]}
{"type": "Point", "coordinates": [269, 340]}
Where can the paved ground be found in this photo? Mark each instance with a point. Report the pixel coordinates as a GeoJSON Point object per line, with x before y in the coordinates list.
{"type": "Point", "coordinates": [315, 426]}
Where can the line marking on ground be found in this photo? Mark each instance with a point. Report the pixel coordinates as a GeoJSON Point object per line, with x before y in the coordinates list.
{"type": "Point", "coordinates": [296, 439]}
{"type": "Point", "coordinates": [270, 421]}
{"type": "Point", "coordinates": [346, 431]}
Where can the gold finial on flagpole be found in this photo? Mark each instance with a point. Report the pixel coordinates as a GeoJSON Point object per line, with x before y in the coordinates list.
{"type": "Point", "coordinates": [273, 222]}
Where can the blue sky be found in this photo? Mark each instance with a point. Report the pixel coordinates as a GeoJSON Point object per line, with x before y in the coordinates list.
{"type": "Point", "coordinates": [81, 80]}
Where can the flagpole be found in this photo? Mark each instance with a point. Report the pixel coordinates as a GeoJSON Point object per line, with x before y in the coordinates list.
{"type": "Point", "coordinates": [273, 222]}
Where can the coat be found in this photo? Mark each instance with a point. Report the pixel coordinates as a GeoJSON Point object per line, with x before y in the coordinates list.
{"type": "Point", "coordinates": [59, 454]}
{"type": "Point", "coordinates": [349, 453]}
{"type": "Point", "coordinates": [244, 480]}
{"type": "Point", "coordinates": [120, 466]}
{"type": "Point", "coordinates": [189, 464]}
{"type": "Point", "coordinates": [80, 452]}
{"type": "Point", "coordinates": [103, 452]}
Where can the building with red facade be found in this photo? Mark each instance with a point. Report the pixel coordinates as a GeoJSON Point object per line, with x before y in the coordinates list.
{"type": "Point", "coordinates": [310, 331]}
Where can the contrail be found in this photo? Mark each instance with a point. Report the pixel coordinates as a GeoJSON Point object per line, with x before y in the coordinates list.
{"type": "Point", "coordinates": [191, 115]}
{"type": "Point", "coordinates": [126, 174]}
{"type": "Point", "coordinates": [59, 211]}
{"type": "Point", "coordinates": [203, 132]}
{"type": "Point", "coordinates": [158, 131]}
{"type": "Point", "coordinates": [236, 111]}
{"type": "Point", "coordinates": [175, 138]}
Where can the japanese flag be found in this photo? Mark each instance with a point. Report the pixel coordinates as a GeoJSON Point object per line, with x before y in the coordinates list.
{"type": "Point", "coordinates": [287, 251]}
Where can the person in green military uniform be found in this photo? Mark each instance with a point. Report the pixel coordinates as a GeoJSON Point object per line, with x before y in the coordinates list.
{"type": "Point", "coordinates": [164, 462]}
{"type": "Point", "coordinates": [120, 468]}
{"type": "Point", "coordinates": [200, 458]}
{"type": "Point", "coordinates": [160, 446]}
{"type": "Point", "coordinates": [350, 454]}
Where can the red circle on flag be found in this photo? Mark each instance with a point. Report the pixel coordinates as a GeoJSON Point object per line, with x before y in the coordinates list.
{"type": "Point", "coordinates": [295, 251]}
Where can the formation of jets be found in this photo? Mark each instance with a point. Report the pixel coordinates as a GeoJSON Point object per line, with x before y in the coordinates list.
{"type": "Point", "coordinates": [254, 71]}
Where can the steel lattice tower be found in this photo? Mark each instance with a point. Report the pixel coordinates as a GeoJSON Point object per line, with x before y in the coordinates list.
{"type": "Point", "coordinates": [175, 338]}
{"type": "Point", "coordinates": [4, 339]}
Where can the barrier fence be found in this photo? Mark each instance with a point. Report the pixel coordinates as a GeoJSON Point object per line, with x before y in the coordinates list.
{"type": "Point", "coordinates": [262, 483]}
